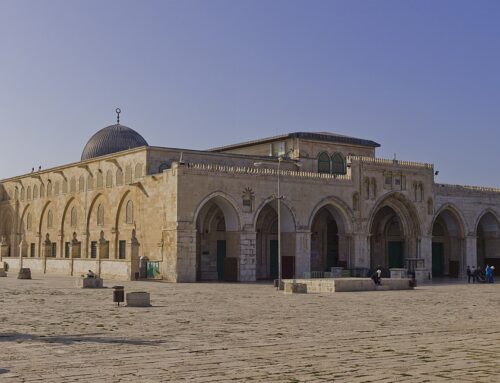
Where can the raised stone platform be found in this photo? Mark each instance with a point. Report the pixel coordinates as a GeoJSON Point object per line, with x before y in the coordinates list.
{"type": "Point", "coordinates": [138, 299]}
{"type": "Point", "coordinates": [332, 285]}
{"type": "Point", "coordinates": [90, 283]}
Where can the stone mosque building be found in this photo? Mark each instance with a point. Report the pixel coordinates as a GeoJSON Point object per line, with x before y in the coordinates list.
{"type": "Point", "coordinates": [201, 215]}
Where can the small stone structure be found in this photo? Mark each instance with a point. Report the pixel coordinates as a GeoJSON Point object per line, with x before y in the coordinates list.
{"type": "Point", "coordinates": [3, 273]}
{"type": "Point", "coordinates": [24, 273]}
{"type": "Point", "coordinates": [138, 299]}
{"type": "Point", "coordinates": [295, 288]}
{"type": "Point", "coordinates": [332, 285]}
{"type": "Point", "coordinates": [90, 283]}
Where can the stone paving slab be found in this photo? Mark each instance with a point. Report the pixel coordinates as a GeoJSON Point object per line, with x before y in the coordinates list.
{"type": "Point", "coordinates": [51, 331]}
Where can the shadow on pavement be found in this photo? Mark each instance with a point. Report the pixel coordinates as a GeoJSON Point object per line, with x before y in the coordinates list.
{"type": "Point", "coordinates": [71, 339]}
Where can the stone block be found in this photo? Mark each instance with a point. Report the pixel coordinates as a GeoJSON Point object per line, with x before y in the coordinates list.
{"type": "Point", "coordinates": [398, 273]}
{"type": "Point", "coordinates": [90, 283]}
{"type": "Point", "coordinates": [138, 299]}
{"type": "Point", "coordinates": [3, 273]}
{"type": "Point", "coordinates": [24, 273]}
{"type": "Point", "coordinates": [295, 288]}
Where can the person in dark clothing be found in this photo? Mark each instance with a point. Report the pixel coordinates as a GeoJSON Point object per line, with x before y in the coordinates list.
{"type": "Point", "coordinates": [469, 274]}
{"type": "Point", "coordinates": [376, 276]}
{"type": "Point", "coordinates": [474, 274]}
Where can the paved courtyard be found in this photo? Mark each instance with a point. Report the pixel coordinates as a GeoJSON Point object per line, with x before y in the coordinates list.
{"type": "Point", "coordinates": [51, 331]}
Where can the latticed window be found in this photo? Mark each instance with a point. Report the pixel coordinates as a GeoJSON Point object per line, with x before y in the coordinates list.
{"type": "Point", "coordinates": [138, 171]}
{"type": "Point", "coordinates": [109, 179]}
{"type": "Point", "coordinates": [32, 250]}
{"type": "Point", "coordinates": [28, 222]}
{"type": "Point", "coordinates": [50, 219]}
{"type": "Point", "coordinates": [74, 217]}
{"type": "Point", "coordinates": [129, 213]}
{"type": "Point", "coordinates": [99, 179]}
{"type": "Point", "coordinates": [121, 249]}
{"type": "Point", "coordinates": [54, 249]}
{"type": "Point", "coordinates": [338, 164]}
{"type": "Point", "coordinates": [128, 174]}
{"type": "Point", "coordinates": [90, 182]}
{"type": "Point", "coordinates": [119, 177]}
{"type": "Point", "coordinates": [324, 163]}
{"type": "Point", "coordinates": [81, 184]}
{"type": "Point", "coordinates": [93, 249]}
{"type": "Point", "coordinates": [100, 215]}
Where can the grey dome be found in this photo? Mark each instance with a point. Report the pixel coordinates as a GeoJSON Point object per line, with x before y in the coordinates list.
{"type": "Point", "coordinates": [112, 139]}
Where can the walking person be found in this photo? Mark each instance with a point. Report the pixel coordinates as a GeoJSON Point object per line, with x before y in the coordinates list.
{"type": "Point", "coordinates": [491, 279]}
{"type": "Point", "coordinates": [469, 274]}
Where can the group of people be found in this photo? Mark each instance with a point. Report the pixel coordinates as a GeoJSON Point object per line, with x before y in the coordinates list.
{"type": "Point", "coordinates": [476, 274]}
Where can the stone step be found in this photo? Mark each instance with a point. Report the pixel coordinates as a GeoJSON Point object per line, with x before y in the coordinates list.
{"type": "Point", "coordinates": [382, 288]}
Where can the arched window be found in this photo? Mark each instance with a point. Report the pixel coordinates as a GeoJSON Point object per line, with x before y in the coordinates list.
{"type": "Point", "coordinates": [163, 166]}
{"type": "Point", "coordinates": [72, 185]}
{"type": "Point", "coordinates": [138, 171]}
{"type": "Point", "coordinates": [56, 188]}
{"type": "Point", "coordinates": [100, 215]}
{"type": "Point", "coordinates": [90, 183]}
{"type": "Point", "coordinates": [119, 177]}
{"type": "Point", "coordinates": [28, 193]}
{"type": "Point", "coordinates": [65, 186]}
{"type": "Point", "coordinates": [22, 194]}
{"type": "Point", "coordinates": [81, 184]}
{"type": "Point", "coordinates": [35, 192]}
{"type": "Point", "coordinates": [338, 164]}
{"type": "Point", "coordinates": [42, 191]}
{"type": "Point", "coordinates": [74, 217]}
{"type": "Point", "coordinates": [323, 163]}
{"type": "Point", "coordinates": [16, 193]}
{"type": "Point", "coordinates": [28, 222]}
{"type": "Point", "coordinates": [99, 179]}
{"type": "Point", "coordinates": [128, 174]}
{"type": "Point", "coordinates": [109, 179]}
{"type": "Point", "coordinates": [129, 214]}
{"type": "Point", "coordinates": [50, 219]}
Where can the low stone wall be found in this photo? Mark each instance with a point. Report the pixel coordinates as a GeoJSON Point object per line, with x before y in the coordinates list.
{"type": "Point", "coordinates": [115, 269]}
{"type": "Point", "coordinates": [332, 285]}
{"type": "Point", "coordinates": [57, 266]}
{"type": "Point", "coordinates": [34, 264]}
{"type": "Point", "coordinates": [82, 266]}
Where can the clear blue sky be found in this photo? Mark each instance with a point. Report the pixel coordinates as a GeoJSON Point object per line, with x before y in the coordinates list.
{"type": "Point", "coordinates": [420, 77]}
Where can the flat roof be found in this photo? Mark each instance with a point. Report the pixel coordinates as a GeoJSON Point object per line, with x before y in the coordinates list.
{"type": "Point", "coordinates": [320, 136]}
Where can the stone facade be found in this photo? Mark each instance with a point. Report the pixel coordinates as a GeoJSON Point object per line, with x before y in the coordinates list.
{"type": "Point", "coordinates": [212, 215]}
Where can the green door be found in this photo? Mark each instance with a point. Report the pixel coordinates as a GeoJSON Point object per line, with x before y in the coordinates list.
{"type": "Point", "coordinates": [221, 255]}
{"type": "Point", "coordinates": [396, 255]}
{"type": "Point", "coordinates": [437, 259]}
{"type": "Point", "coordinates": [273, 252]}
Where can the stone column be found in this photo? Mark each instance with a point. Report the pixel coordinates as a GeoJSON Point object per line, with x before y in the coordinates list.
{"type": "Point", "coordinates": [186, 253]}
{"type": "Point", "coordinates": [85, 246]}
{"type": "Point", "coordinates": [470, 251]}
{"type": "Point", "coordinates": [248, 256]}
{"type": "Point", "coordinates": [361, 251]}
{"type": "Point", "coordinates": [302, 253]}
{"type": "Point", "coordinates": [426, 255]}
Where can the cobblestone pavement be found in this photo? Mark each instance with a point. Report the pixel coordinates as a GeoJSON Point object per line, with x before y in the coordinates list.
{"type": "Point", "coordinates": [51, 331]}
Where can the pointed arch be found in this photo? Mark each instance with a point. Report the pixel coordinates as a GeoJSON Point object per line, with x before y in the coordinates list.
{"type": "Point", "coordinates": [324, 164]}
{"type": "Point", "coordinates": [484, 213]}
{"type": "Point", "coordinates": [288, 218]}
{"type": "Point", "coordinates": [464, 229]}
{"type": "Point", "coordinates": [340, 211]}
{"type": "Point", "coordinates": [228, 206]}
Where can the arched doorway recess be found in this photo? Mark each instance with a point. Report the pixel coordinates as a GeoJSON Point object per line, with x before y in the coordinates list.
{"type": "Point", "coordinates": [488, 241]}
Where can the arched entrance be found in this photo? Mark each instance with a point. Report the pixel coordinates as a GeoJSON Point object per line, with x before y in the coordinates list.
{"type": "Point", "coordinates": [488, 241]}
{"type": "Point", "coordinates": [447, 244]}
{"type": "Point", "coordinates": [217, 241]}
{"type": "Point", "coordinates": [267, 242]}
{"type": "Point", "coordinates": [394, 233]}
{"type": "Point", "coordinates": [329, 244]}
